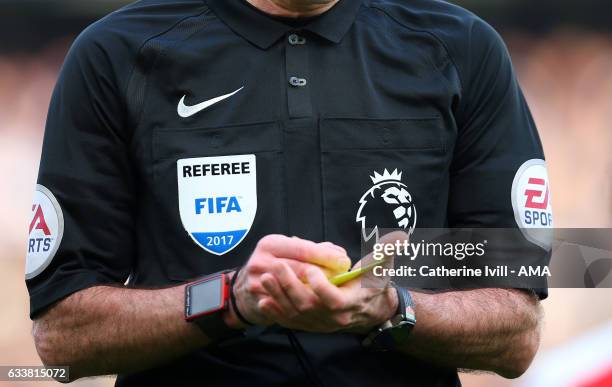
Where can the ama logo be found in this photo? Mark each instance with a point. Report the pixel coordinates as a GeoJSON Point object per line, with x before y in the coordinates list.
{"type": "Point", "coordinates": [387, 204]}
{"type": "Point", "coordinates": [531, 202]}
{"type": "Point", "coordinates": [45, 232]}
{"type": "Point", "coordinates": [217, 200]}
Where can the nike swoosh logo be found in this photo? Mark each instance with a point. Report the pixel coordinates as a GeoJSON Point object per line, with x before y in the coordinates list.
{"type": "Point", "coordinates": [188, 111]}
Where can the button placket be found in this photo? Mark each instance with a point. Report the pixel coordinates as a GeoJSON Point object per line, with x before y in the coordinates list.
{"type": "Point", "coordinates": [297, 74]}
{"type": "Point", "coordinates": [301, 145]}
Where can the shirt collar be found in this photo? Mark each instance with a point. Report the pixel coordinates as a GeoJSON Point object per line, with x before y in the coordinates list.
{"type": "Point", "coordinates": [263, 31]}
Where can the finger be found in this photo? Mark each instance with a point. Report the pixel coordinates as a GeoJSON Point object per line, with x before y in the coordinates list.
{"type": "Point", "coordinates": [246, 282]}
{"type": "Point", "coordinates": [262, 264]}
{"type": "Point", "coordinates": [305, 251]}
{"type": "Point", "coordinates": [327, 272]}
{"type": "Point", "coordinates": [273, 288]}
{"type": "Point", "coordinates": [392, 239]}
{"type": "Point", "coordinates": [388, 257]}
{"type": "Point", "coordinates": [270, 309]}
{"type": "Point", "coordinates": [300, 268]}
{"type": "Point", "coordinates": [302, 276]}
{"type": "Point", "coordinates": [300, 296]}
{"type": "Point", "coordinates": [367, 278]}
{"type": "Point", "coordinates": [333, 246]}
{"type": "Point", "coordinates": [394, 236]}
{"type": "Point", "coordinates": [325, 254]}
{"type": "Point", "coordinates": [330, 295]}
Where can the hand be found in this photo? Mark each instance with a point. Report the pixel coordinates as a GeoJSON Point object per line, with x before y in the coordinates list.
{"type": "Point", "coordinates": [320, 306]}
{"type": "Point", "coordinates": [275, 253]}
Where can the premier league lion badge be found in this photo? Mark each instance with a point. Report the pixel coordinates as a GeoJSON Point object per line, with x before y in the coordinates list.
{"type": "Point", "coordinates": [217, 200]}
{"type": "Point", "coordinates": [387, 204]}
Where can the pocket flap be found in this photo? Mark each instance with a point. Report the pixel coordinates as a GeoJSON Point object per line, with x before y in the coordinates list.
{"type": "Point", "coordinates": [352, 133]}
{"type": "Point", "coordinates": [235, 139]}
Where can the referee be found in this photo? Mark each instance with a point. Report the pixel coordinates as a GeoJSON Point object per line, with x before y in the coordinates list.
{"type": "Point", "coordinates": [187, 141]}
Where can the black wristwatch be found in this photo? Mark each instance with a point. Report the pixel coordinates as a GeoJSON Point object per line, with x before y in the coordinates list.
{"type": "Point", "coordinates": [395, 331]}
{"type": "Point", "coordinates": [205, 302]}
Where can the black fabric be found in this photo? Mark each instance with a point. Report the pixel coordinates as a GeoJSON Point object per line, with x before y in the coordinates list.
{"type": "Point", "coordinates": [423, 87]}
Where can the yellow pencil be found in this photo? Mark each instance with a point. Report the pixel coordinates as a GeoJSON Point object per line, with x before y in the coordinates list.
{"type": "Point", "coordinates": [343, 278]}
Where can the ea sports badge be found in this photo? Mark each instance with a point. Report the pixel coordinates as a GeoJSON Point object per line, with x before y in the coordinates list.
{"type": "Point", "coordinates": [46, 231]}
{"type": "Point", "coordinates": [217, 200]}
{"type": "Point", "coordinates": [532, 204]}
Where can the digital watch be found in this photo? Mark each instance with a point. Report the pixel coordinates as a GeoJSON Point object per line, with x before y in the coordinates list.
{"type": "Point", "coordinates": [395, 331]}
{"type": "Point", "coordinates": [205, 302]}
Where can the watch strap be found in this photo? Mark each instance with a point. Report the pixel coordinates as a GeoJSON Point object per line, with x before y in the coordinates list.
{"type": "Point", "coordinates": [394, 331]}
{"type": "Point", "coordinates": [405, 307]}
{"type": "Point", "coordinates": [215, 328]}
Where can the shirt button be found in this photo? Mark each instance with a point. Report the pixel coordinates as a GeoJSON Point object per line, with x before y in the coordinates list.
{"type": "Point", "coordinates": [297, 82]}
{"type": "Point", "coordinates": [295, 39]}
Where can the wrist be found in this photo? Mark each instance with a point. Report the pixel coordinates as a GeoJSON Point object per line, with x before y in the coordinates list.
{"type": "Point", "coordinates": [394, 332]}
{"type": "Point", "coordinates": [393, 302]}
{"type": "Point", "coordinates": [389, 308]}
{"type": "Point", "coordinates": [230, 317]}
{"type": "Point", "coordinates": [207, 301]}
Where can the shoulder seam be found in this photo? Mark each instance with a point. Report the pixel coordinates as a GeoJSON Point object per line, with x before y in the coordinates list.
{"type": "Point", "coordinates": [433, 35]}
{"type": "Point", "coordinates": [147, 40]}
{"type": "Point", "coordinates": [157, 35]}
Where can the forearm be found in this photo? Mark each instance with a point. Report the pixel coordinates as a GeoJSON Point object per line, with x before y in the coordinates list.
{"type": "Point", "coordinates": [107, 330]}
{"type": "Point", "coordinates": [486, 329]}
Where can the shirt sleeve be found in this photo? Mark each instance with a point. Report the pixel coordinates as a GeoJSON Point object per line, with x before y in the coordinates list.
{"type": "Point", "coordinates": [85, 166]}
{"type": "Point", "coordinates": [496, 136]}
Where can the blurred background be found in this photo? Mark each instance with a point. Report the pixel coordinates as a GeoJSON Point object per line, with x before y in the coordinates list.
{"type": "Point", "coordinates": [562, 52]}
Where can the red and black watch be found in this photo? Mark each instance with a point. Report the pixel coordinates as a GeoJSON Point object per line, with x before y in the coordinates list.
{"type": "Point", "coordinates": [206, 300]}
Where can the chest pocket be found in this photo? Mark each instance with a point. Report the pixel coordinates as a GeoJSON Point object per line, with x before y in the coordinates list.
{"type": "Point", "coordinates": [183, 255]}
{"type": "Point", "coordinates": [382, 173]}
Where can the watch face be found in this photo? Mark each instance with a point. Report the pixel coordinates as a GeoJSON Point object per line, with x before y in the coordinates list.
{"type": "Point", "coordinates": [205, 297]}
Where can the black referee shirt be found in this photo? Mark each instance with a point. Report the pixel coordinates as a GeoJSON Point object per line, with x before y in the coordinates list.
{"type": "Point", "coordinates": [182, 131]}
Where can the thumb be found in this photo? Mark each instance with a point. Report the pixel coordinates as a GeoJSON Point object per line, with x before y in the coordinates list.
{"type": "Point", "coordinates": [383, 254]}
